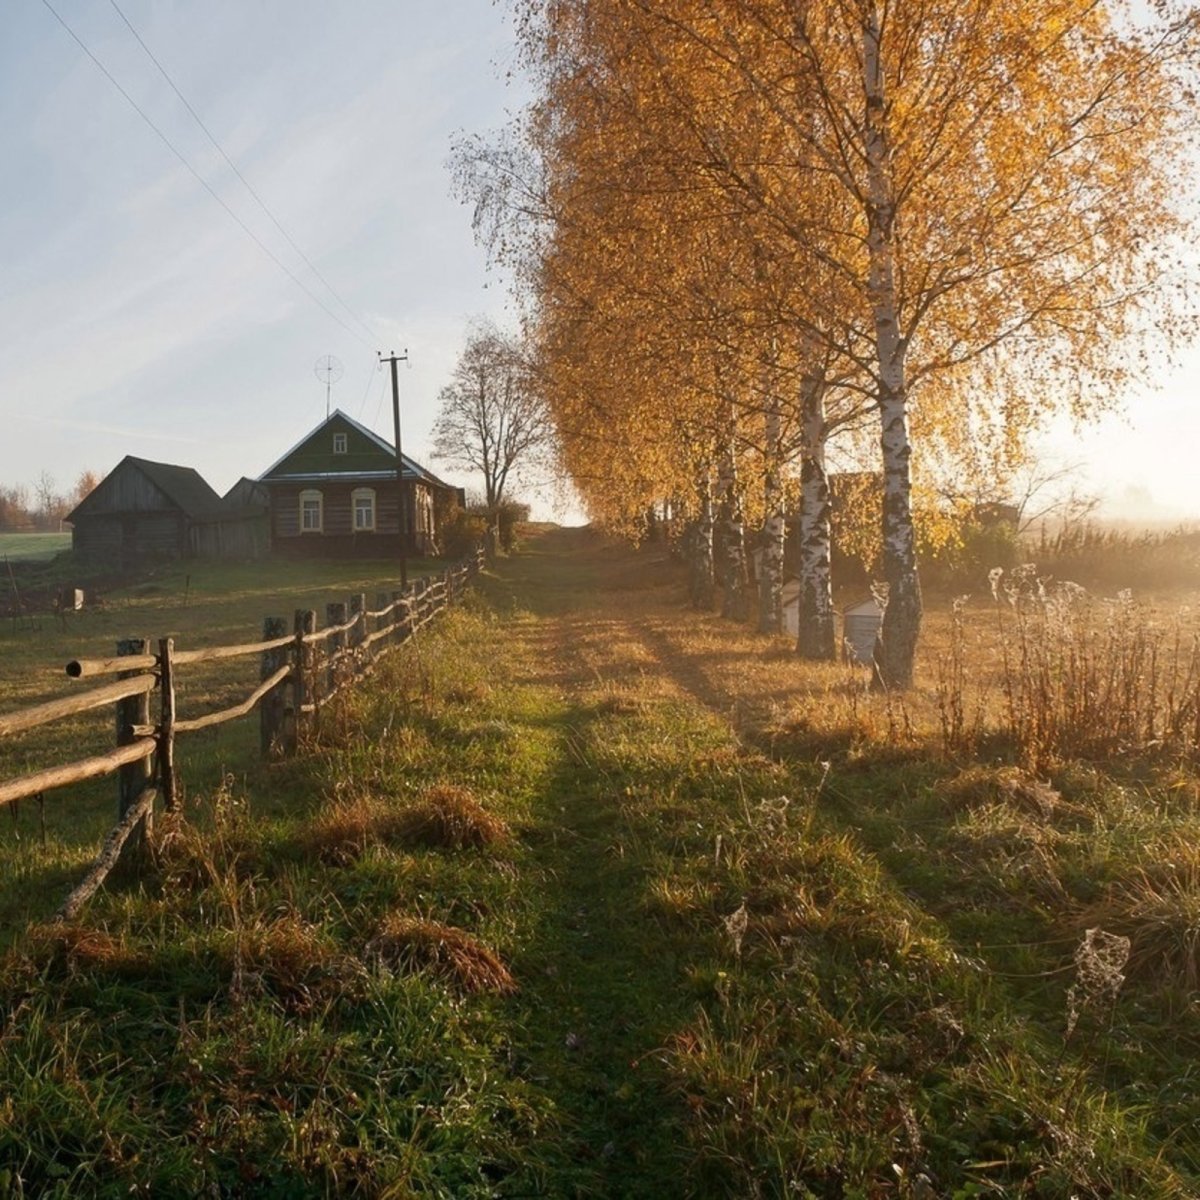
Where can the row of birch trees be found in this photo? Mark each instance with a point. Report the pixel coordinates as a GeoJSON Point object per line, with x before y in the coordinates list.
{"type": "Point", "coordinates": [746, 232]}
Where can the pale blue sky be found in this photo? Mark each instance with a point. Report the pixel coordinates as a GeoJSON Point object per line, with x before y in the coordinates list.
{"type": "Point", "coordinates": [136, 317]}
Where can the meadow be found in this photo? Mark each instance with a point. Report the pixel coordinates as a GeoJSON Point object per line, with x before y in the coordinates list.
{"type": "Point", "coordinates": [24, 547]}
{"type": "Point", "coordinates": [590, 895]}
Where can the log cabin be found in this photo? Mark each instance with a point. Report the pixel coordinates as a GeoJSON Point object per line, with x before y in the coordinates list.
{"type": "Point", "coordinates": [335, 494]}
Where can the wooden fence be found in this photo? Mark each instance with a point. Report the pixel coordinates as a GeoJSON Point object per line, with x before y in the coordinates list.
{"type": "Point", "coordinates": [301, 671]}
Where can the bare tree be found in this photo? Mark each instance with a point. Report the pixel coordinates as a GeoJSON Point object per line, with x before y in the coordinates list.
{"type": "Point", "coordinates": [490, 418]}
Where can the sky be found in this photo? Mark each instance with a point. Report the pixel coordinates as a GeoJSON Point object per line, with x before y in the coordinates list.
{"type": "Point", "coordinates": [136, 317]}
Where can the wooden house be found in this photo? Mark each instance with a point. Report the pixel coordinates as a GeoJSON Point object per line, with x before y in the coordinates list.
{"type": "Point", "coordinates": [145, 510]}
{"type": "Point", "coordinates": [335, 495]}
{"type": "Point", "coordinates": [140, 510]}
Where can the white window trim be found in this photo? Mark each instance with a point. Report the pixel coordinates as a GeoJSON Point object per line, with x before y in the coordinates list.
{"type": "Point", "coordinates": [363, 493]}
{"type": "Point", "coordinates": [340, 443]}
{"type": "Point", "coordinates": [312, 494]}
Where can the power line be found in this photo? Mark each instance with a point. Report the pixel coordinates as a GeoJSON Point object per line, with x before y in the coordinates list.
{"type": "Point", "coordinates": [362, 404]}
{"type": "Point", "coordinates": [204, 183]}
{"type": "Point", "coordinates": [233, 167]}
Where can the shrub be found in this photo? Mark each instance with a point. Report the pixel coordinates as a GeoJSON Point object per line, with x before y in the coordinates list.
{"type": "Point", "coordinates": [462, 531]}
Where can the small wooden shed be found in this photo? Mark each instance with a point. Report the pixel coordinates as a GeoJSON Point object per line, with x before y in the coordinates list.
{"type": "Point", "coordinates": [145, 510]}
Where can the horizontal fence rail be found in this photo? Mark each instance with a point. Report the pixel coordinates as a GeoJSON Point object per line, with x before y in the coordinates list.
{"type": "Point", "coordinates": [300, 672]}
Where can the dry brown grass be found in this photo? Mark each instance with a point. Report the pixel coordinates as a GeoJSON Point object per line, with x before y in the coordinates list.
{"type": "Point", "coordinates": [977, 786]}
{"type": "Point", "coordinates": [72, 947]}
{"type": "Point", "coordinates": [417, 944]}
{"type": "Point", "coordinates": [290, 958]}
{"type": "Point", "coordinates": [470, 693]}
{"type": "Point", "coordinates": [1158, 909]}
{"type": "Point", "coordinates": [190, 855]}
{"type": "Point", "coordinates": [341, 833]}
{"type": "Point", "coordinates": [450, 817]}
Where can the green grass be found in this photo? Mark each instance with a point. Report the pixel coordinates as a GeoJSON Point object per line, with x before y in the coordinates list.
{"type": "Point", "coordinates": [766, 942]}
{"type": "Point", "coordinates": [199, 604]}
{"type": "Point", "coordinates": [23, 547]}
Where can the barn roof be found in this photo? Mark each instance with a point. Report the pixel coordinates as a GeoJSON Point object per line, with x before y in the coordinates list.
{"type": "Point", "coordinates": [183, 486]}
{"type": "Point", "coordinates": [369, 456]}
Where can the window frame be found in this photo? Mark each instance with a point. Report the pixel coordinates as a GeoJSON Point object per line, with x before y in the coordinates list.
{"type": "Point", "coordinates": [307, 496]}
{"type": "Point", "coordinates": [363, 493]}
{"type": "Point", "coordinates": [341, 443]}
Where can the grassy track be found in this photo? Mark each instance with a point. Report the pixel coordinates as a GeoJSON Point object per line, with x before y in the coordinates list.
{"type": "Point", "coordinates": [764, 942]}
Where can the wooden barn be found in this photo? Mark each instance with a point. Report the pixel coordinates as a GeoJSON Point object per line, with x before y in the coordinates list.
{"type": "Point", "coordinates": [335, 495]}
{"type": "Point", "coordinates": [146, 510]}
{"type": "Point", "coordinates": [139, 510]}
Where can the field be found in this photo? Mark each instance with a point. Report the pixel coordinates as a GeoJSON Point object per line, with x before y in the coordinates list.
{"type": "Point", "coordinates": [24, 547]}
{"type": "Point", "coordinates": [199, 604]}
{"type": "Point", "coordinates": [592, 896]}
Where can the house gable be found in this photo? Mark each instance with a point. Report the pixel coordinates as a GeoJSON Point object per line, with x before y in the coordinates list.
{"type": "Point", "coordinates": [314, 456]}
{"type": "Point", "coordinates": [366, 456]}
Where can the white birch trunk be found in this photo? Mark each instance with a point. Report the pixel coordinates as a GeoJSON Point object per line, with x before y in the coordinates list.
{"type": "Point", "coordinates": [702, 581]}
{"type": "Point", "coordinates": [774, 531]}
{"type": "Point", "coordinates": [897, 644]}
{"type": "Point", "coordinates": [817, 629]}
{"type": "Point", "coordinates": [734, 597]}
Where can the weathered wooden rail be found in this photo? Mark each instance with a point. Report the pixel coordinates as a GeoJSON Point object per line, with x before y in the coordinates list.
{"type": "Point", "coordinates": [301, 671]}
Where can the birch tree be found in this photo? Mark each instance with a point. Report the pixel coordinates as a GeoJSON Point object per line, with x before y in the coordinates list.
{"type": "Point", "coordinates": [1008, 179]}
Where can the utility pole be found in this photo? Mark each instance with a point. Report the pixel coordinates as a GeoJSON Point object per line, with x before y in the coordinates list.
{"type": "Point", "coordinates": [395, 358]}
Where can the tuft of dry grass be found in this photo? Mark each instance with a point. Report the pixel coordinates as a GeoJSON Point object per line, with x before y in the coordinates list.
{"type": "Point", "coordinates": [450, 817]}
{"type": "Point", "coordinates": [1158, 909]}
{"type": "Point", "coordinates": [189, 856]}
{"type": "Point", "coordinates": [455, 956]}
{"type": "Point", "coordinates": [291, 958]}
{"type": "Point", "coordinates": [343, 832]}
{"type": "Point", "coordinates": [71, 947]}
{"type": "Point", "coordinates": [978, 786]}
{"type": "Point", "coordinates": [469, 693]}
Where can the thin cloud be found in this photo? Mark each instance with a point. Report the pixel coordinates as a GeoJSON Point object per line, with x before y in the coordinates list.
{"type": "Point", "coordinates": [112, 430]}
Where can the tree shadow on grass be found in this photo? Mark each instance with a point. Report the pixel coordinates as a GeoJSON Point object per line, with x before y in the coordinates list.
{"type": "Point", "coordinates": [603, 986]}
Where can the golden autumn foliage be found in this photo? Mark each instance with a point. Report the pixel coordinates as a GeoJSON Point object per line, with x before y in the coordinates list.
{"type": "Point", "coordinates": [962, 216]}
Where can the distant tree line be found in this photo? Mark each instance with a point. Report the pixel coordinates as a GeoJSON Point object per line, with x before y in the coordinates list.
{"type": "Point", "coordinates": [42, 507]}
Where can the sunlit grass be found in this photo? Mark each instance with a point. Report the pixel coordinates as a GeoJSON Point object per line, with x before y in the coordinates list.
{"type": "Point", "coordinates": [588, 896]}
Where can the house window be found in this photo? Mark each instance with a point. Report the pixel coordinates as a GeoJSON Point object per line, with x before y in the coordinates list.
{"type": "Point", "coordinates": [339, 443]}
{"type": "Point", "coordinates": [363, 500]}
{"type": "Point", "coordinates": [312, 512]}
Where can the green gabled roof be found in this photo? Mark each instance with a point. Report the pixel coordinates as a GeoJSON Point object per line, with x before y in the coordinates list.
{"type": "Point", "coordinates": [367, 455]}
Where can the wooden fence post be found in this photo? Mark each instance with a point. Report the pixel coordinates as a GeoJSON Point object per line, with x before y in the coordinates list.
{"type": "Point", "coordinates": [335, 614]}
{"type": "Point", "coordinates": [166, 724]}
{"type": "Point", "coordinates": [398, 613]}
{"type": "Point", "coordinates": [381, 602]}
{"type": "Point", "coordinates": [271, 710]}
{"type": "Point", "coordinates": [418, 604]}
{"type": "Point", "coordinates": [358, 633]}
{"type": "Point", "coordinates": [133, 778]}
{"type": "Point", "coordinates": [303, 693]}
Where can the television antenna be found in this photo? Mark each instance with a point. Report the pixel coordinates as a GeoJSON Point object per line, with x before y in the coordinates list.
{"type": "Point", "coordinates": [328, 370]}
